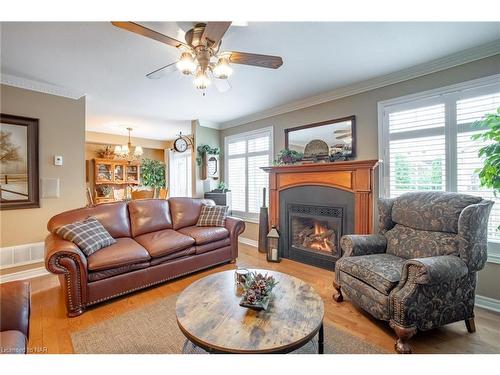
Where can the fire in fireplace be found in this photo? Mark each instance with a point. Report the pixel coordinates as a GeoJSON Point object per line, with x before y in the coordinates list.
{"type": "Point", "coordinates": [312, 234]}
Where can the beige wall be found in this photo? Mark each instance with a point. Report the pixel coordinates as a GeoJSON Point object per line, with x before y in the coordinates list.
{"type": "Point", "coordinates": [61, 132]}
{"type": "Point", "coordinates": [364, 106]}
{"type": "Point", "coordinates": [203, 136]}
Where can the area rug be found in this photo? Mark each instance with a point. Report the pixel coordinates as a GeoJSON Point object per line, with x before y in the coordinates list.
{"type": "Point", "coordinates": [153, 329]}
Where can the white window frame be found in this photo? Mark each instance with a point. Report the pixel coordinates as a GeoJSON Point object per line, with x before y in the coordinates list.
{"type": "Point", "coordinates": [247, 216]}
{"type": "Point", "coordinates": [448, 95]}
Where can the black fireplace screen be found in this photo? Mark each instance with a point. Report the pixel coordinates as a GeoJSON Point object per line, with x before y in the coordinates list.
{"type": "Point", "coordinates": [315, 228]}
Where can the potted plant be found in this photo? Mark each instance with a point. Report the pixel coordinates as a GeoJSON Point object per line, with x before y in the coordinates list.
{"type": "Point", "coordinates": [221, 188]}
{"type": "Point", "coordinates": [153, 174]}
{"type": "Point", "coordinates": [489, 174]}
{"type": "Point", "coordinates": [287, 156]}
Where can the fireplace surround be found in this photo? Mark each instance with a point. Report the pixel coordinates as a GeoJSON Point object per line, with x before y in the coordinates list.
{"type": "Point", "coordinates": [313, 205]}
{"type": "Point", "coordinates": [312, 219]}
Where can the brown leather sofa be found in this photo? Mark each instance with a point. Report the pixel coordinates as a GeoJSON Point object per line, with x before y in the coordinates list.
{"type": "Point", "coordinates": [157, 240]}
{"type": "Point", "coordinates": [14, 317]}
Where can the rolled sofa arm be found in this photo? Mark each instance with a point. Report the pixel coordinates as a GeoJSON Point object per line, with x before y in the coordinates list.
{"type": "Point", "coordinates": [436, 270]}
{"type": "Point", "coordinates": [443, 282]}
{"type": "Point", "coordinates": [235, 227]}
{"type": "Point", "coordinates": [358, 244]}
{"type": "Point", "coordinates": [64, 257]}
{"type": "Point", "coordinates": [15, 306]}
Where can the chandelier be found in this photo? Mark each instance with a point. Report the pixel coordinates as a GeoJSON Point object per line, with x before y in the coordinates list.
{"type": "Point", "coordinates": [127, 152]}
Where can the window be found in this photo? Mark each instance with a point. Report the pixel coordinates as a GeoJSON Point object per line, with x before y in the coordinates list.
{"type": "Point", "coordinates": [425, 143]}
{"type": "Point", "coordinates": [179, 174]}
{"type": "Point", "coordinates": [245, 154]}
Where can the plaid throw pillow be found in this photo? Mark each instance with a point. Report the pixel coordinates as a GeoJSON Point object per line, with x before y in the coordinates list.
{"type": "Point", "coordinates": [88, 235]}
{"type": "Point", "coordinates": [212, 216]}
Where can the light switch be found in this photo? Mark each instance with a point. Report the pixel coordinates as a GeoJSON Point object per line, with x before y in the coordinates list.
{"type": "Point", "coordinates": [58, 160]}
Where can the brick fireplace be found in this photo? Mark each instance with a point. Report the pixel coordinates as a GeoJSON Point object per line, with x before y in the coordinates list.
{"type": "Point", "coordinates": [313, 205]}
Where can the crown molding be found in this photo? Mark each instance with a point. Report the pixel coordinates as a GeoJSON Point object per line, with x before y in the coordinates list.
{"type": "Point", "coordinates": [459, 58]}
{"type": "Point", "coordinates": [209, 124]}
{"type": "Point", "coordinates": [47, 88]}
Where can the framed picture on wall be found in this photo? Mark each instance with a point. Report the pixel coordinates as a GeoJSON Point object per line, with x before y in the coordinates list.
{"type": "Point", "coordinates": [18, 162]}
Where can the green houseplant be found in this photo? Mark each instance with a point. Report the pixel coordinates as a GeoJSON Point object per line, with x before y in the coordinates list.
{"type": "Point", "coordinates": [489, 174]}
{"type": "Point", "coordinates": [153, 174]}
{"type": "Point", "coordinates": [205, 149]}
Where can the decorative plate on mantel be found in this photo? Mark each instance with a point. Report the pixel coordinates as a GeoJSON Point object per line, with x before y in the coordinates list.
{"type": "Point", "coordinates": [316, 150]}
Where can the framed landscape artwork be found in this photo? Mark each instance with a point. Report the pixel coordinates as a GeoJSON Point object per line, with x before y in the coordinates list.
{"type": "Point", "coordinates": [18, 162]}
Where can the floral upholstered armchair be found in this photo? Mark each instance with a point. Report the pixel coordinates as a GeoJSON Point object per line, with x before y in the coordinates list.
{"type": "Point", "coordinates": [419, 271]}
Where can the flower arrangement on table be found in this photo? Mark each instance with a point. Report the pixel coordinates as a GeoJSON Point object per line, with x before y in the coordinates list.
{"type": "Point", "coordinates": [257, 291]}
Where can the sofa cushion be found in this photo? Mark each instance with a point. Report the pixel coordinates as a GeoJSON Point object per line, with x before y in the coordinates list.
{"type": "Point", "coordinates": [212, 216]}
{"type": "Point", "coordinates": [433, 211]}
{"type": "Point", "coordinates": [124, 251]}
{"type": "Point", "coordinates": [164, 242]}
{"type": "Point", "coordinates": [200, 249]}
{"type": "Point", "coordinates": [149, 215]}
{"type": "Point", "coordinates": [112, 216]}
{"type": "Point", "coordinates": [409, 243]}
{"type": "Point", "coordinates": [178, 254]}
{"type": "Point", "coordinates": [186, 211]}
{"type": "Point", "coordinates": [89, 235]}
{"type": "Point", "coordinates": [104, 274]}
{"type": "Point", "coordinates": [380, 271]}
{"type": "Point", "coordinates": [12, 342]}
{"type": "Point", "coordinates": [203, 235]}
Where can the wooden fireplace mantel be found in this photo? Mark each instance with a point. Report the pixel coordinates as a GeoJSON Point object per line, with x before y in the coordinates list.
{"type": "Point", "coordinates": [353, 176]}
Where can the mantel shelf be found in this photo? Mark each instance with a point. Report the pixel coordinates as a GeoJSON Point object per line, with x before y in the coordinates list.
{"type": "Point", "coordinates": [353, 176]}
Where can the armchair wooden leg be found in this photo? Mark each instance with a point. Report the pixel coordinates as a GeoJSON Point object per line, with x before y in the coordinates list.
{"type": "Point", "coordinates": [337, 293]}
{"type": "Point", "coordinates": [471, 325]}
{"type": "Point", "coordinates": [404, 335]}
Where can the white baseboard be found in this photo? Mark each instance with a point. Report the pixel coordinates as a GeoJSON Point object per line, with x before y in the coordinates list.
{"type": "Point", "coordinates": [488, 303]}
{"type": "Point", "coordinates": [248, 241]}
{"type": "Point", "coordinates": [22, 275]}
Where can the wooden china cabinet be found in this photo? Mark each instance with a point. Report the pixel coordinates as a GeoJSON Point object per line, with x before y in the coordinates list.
{"type": "Point", "coordinates": [116, 173]}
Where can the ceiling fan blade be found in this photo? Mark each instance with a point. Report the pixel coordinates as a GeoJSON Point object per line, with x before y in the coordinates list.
{"type": "Point", "coordinates": [214, 31]}
{"type": "Point", "coordinates": [222, 85]}
{"type": "Point", "coordinates": [264, 61]}
{"type": "Point", "coordinates": [341, 131]}
{"type": "Point", "coordinates": [148, 33]}
{"type": "Point", "coordinates": [343, 136]}
{"type": "Point", "coordinates": [161, 72]}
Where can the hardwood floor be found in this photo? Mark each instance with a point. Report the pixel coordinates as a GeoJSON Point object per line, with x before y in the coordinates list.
{"type": "Point", "coordinates": [50, 328]}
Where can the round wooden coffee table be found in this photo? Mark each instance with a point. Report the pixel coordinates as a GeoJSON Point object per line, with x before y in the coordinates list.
{"type": "Point", "coordinates": [209, 315]}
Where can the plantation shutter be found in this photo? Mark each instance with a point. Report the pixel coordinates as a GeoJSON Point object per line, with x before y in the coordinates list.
{"type": "Point", "coordinates": [468, 111]}
{"type": "Point", "coordinates": [417, 149]}
{"type": "Point", "coordinates": [426, 145]}
{"type": "Point", "coordinates": [246, 154]}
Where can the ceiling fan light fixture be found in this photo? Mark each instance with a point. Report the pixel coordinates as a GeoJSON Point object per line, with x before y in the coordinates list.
{"type": "Point", "coordinates": [186, 64]}
{"type": "Point", "coordinates": [222, 70]}
{"type": "Point", "coordinates": [201, 80]}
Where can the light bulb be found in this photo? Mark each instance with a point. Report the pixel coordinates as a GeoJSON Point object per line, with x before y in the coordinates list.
{"type": "Point", "coordinates": [138, 151]}
{"type": "Point", "coordinates": [223, 70]}
{"type": "Point", "coordinates": [201, 81]}
{"type": "Point", "coordinates": [118, 150]}
{"type": "Point", "coordinates": [186, 63]}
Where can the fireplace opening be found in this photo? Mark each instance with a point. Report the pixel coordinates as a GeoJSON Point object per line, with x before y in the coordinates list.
{"type": "Point", "coordinates": [312, 220]}
{"type": "Point", "coordinates": [314, 235]}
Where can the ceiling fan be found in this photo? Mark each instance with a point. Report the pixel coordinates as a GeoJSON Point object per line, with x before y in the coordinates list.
{"type": "Point", "coordinates": [201, 55]}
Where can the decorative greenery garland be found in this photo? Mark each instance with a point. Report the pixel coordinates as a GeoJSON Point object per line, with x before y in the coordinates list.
{"type": "Point", "coordinates": [205, 149]}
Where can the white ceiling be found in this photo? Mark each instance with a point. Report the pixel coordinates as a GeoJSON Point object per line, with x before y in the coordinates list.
{"type": "Point", "coordinates": [109, 66]}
